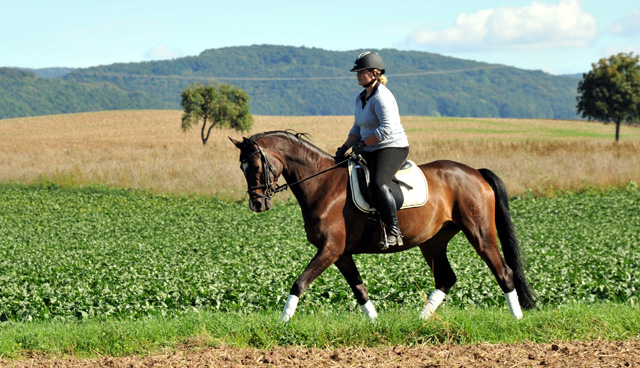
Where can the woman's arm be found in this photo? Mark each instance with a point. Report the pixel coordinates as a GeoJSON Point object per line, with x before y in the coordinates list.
{"type": "Point", "coordinates": [352, 139]}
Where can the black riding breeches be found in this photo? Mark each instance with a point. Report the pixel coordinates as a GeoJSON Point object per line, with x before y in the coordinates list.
{"type": "Point", "coordinates": [385, 163]}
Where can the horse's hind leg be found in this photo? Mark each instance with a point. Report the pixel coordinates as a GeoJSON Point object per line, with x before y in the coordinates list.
{"type": "Point", "coordinates": [434, 252]}
{"type": "Point", "coordinates": [444, 278]}
{"type": "Point", "coordinates": [483, 237]}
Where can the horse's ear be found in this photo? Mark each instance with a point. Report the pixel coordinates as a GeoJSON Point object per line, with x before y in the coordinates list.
{"type": "Point", "coordinates": [237, 143]}
{"type": "Point", "coordinates": [248, 142]}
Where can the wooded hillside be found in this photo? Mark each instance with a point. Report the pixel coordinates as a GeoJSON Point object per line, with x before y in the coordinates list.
{"type": "Point", "coordinates": [299, 81]}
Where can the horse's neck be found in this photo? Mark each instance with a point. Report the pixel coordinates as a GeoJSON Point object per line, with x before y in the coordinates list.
{"type": "Point", "coordinates": [297, 170]}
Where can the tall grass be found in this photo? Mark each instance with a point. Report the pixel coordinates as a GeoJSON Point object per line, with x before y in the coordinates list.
{"type": "Point", "coordinates": [147, 149]}
{"type": "Point", "coordinates": [544, 166]}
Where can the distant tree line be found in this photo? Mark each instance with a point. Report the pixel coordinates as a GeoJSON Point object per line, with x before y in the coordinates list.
{"type": "Point", "coordinates": [22, 94]}
{"type": "Point", "coordinates": [49, 72]}
{"type": "Point", "coordinates": [284, 80]}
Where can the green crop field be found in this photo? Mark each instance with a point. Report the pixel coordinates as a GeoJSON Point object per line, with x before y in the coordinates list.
{"type": "Point", "coordinates": [101, 253]}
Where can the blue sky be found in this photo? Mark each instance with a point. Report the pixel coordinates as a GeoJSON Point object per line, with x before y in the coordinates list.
{"type": "Point", "coordinates": [557, 36]}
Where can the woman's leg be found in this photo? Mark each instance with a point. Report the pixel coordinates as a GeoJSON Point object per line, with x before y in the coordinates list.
{"type": "Point", "coordinates": [384, 164]}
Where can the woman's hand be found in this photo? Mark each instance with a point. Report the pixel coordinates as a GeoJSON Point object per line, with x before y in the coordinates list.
{"type": "Point", "coordinates": [358, 148]}
{"type": "Point", "coordinates": [341, 151]}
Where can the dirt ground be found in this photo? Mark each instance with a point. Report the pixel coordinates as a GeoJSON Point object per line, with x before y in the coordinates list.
{"type": "Point", "coordinates": [560, 354]}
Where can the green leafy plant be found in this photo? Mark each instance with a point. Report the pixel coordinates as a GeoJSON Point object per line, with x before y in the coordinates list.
{"type": "Point", "coordinates": [101, 253]}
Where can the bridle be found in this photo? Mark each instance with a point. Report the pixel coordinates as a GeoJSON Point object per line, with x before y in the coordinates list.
{"type": "Point", "coordinates": [270, 187]}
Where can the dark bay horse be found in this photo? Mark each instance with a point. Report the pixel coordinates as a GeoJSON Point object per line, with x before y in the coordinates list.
{"type": "Point", "coordinates": [460, 199]}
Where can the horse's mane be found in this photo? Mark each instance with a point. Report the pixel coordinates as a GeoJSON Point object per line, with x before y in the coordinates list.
{"type": "Point", "coordinates": [292, 136]}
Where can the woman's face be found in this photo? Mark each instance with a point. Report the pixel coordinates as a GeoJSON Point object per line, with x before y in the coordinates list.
{"type": "Point", "coordinates": [365, 76]}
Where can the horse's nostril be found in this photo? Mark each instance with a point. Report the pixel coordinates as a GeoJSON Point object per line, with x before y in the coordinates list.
{"type": "Point", "coordinates": [257, 205]}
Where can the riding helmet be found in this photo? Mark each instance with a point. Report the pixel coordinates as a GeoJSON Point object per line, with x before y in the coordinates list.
{"type": "Point", "coordinates": [368, 60]}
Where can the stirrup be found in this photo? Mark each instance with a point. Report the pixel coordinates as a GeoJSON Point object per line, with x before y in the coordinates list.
{"type": "Point", "coordinates": [384, 243]}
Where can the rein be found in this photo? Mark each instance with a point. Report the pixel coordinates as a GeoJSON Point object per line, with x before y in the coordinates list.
{"type": "Point", "coordinates": [281, 188]}
{"type": "Point", "coordinates": [271, 188]}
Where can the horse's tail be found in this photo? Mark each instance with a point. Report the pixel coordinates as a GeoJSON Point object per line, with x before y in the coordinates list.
{"type": "Point", "coordinates": [507, 235]}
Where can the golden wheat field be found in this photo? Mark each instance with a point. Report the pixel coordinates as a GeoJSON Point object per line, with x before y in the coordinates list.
{"type": "Point", "coordinates": [147, 149]}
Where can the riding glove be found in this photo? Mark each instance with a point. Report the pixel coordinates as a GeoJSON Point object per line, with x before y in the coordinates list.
{"type": "Point", "coordinates": [358, 148]}
{"type": "Point", "coordinates": [341, 151]}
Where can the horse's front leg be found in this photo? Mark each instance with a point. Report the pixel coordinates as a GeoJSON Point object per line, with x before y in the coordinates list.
{"type": "Point", "coordinates": [319, 263]}
{"type": "Point", "coordinates": [349, 270]}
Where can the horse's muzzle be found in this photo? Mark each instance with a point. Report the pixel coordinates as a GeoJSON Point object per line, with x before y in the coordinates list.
{"type": "Point", "coordinates": [260, 204]}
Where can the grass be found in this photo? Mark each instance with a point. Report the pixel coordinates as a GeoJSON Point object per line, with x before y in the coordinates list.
{"type": "Point", "coordinates": [322, 329]}
{"type": "Point", "coordinates": [147, 149]}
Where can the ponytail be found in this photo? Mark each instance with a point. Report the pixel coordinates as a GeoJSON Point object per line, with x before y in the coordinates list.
{"type": "Point", "coordinates": [381, 77]}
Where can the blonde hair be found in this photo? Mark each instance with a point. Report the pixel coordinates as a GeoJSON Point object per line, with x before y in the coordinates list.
{"type": "Point", "coordinates": [381, 77]}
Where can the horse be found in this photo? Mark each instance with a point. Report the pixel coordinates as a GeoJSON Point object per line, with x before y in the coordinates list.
{"type": "Point", "coordinates": [460, 199]}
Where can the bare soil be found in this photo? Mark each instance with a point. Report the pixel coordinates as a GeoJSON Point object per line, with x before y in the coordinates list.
{"type": "Point", "coordinates": [559, 354]}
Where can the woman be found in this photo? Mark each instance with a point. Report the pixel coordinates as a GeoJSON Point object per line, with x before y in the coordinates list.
{"type": "Point", "coordinates": [378, 135]}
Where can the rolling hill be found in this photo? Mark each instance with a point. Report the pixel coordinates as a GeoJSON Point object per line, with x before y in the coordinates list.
{"type": "Point", "coordinates": [298, 81]}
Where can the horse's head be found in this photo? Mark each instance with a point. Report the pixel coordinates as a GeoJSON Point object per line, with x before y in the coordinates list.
{"type": "Point", "coordinates": [261, 170]}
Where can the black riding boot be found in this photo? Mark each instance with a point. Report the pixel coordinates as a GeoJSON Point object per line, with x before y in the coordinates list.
{"type": "Point", "coordinates": [386, 205]}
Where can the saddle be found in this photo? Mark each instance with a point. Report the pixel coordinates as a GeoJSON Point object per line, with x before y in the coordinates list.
{"type": "Point", "coordinates": [409, 187]}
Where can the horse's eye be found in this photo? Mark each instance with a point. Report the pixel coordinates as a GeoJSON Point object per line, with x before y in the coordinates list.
{"type": "Point", "coordinates": [245, 166]}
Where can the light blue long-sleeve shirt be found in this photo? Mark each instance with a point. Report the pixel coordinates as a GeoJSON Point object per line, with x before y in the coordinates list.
{"type": "Point", "coordinates": [379, 115]}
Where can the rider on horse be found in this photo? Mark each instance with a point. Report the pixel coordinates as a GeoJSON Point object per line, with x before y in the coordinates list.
{"type": "Point", "coordinates": [377, 134]}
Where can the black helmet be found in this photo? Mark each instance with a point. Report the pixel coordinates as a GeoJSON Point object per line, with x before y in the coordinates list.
{"type": "Point", "coordinates": [368, 60]}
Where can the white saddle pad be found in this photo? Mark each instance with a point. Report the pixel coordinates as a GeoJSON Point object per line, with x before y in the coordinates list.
{"type": "Point", "coordinates": [413, 176]}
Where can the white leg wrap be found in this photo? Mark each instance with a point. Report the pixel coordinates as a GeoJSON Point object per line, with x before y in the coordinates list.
{"type": "Point", "coordinates": [369, 310]}
{"type": "Point", "coordinates": [289, 308]}
{"type": "Point", "coordinates": [514, 305]}
{"type": "Point", "coordinates": [435, 299]}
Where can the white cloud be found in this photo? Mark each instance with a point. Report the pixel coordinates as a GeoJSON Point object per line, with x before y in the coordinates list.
{"type": "Point", "coordinates": [162, 52]}
{"type": "Point", "coordinates": [627, 26]}
{"type": "Point", "coordinates": [535, 26]}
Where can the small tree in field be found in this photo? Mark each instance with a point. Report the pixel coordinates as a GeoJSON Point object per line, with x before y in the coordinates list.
{"type": "Point", "coordinates": [223, 107]}
{"type": "Point", "coordinates": [610, 92]}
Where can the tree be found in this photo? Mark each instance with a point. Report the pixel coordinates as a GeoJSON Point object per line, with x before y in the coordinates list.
{"type": "Point", "coordinates": [610, 92]}
{"type": "Point", "coordinates": [225, 106]}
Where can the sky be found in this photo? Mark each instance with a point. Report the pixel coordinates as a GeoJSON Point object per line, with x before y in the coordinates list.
{"type": "Point", "coordinates": [556, 36]}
